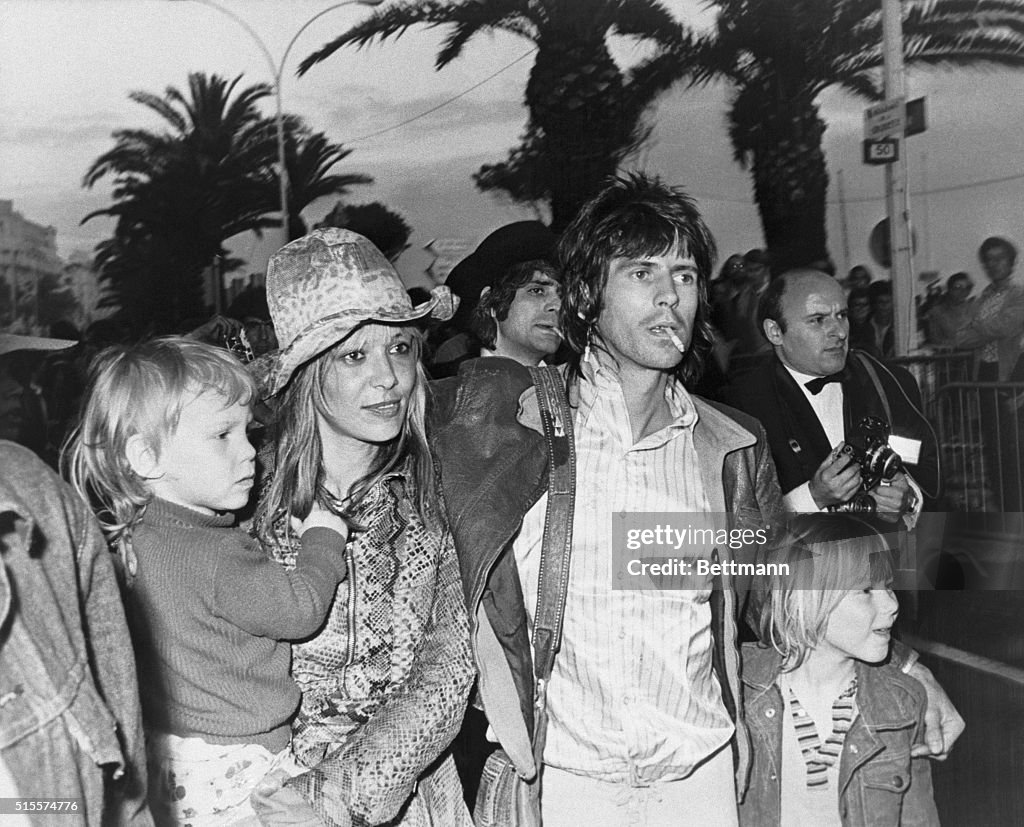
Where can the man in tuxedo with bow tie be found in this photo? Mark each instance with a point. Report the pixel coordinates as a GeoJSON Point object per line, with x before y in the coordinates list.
{"type": "Point", "coordinates": [813, 391]}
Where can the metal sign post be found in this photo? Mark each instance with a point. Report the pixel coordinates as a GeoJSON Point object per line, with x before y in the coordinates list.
{"type": "Point", "coordinates": [897, 203]}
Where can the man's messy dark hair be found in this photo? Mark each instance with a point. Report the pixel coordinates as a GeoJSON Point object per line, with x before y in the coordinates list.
{"type": "Point", "coordinates": [634, 216]}
{"type": "Point", "coordinates": [494, 306]}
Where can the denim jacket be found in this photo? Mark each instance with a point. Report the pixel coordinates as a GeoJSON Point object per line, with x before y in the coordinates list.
{"type": "Point", "coordinates": [70, 723]}
{"type": "Point", "coordinates": [492, 462]}
{"type": "Point", "coordinates": [879, 783]}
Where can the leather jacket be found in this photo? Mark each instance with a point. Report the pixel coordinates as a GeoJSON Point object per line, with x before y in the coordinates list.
{"type": "Point", "coordinates": [492, 463]}
{"type": "Point", "coordinates": [880, 784]}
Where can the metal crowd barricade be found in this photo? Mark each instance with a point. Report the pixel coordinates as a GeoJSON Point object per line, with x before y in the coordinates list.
{"type": "Point", "coordinates": [979, 426]}
{"type": "Point", "coordinates": [933, 371]}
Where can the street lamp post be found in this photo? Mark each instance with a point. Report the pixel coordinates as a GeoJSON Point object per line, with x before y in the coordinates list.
{"type": "Point", "coordinates": [277, 71]}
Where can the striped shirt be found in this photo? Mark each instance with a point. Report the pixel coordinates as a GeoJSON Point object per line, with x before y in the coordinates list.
{"type": "Point", "coordinates": [802, 805]}
{"type": "Point", "coordinates": [632, 698]}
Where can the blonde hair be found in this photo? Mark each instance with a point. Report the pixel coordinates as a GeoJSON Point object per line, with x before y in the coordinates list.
{"type": "Point", "coordinates": [296, 482]}
{"type": "Point", "coordinates": [824, 557]}
{"type": "Point", "coordinates": [140, 390]}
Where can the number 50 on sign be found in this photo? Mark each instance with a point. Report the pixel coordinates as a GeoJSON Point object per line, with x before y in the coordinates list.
{"type": "Point", "coordinates": [881, 151]}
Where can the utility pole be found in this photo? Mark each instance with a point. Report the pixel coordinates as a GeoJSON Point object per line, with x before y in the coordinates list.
{"type": "Point", "coordinates": [897, 203]}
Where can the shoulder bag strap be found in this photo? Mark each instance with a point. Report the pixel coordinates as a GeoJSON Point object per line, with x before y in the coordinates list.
{"type": "Point", "coordinates": [553, 580]}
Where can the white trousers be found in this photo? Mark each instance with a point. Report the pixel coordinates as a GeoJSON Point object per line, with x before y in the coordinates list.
{"type": "Point", "coordinates": [705, 798]}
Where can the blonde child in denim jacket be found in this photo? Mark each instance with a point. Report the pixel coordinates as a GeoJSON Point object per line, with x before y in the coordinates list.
{"type": "Point", "coordinates": [164, 451]}
{"type": "Point", "coordinates": [833, 725]}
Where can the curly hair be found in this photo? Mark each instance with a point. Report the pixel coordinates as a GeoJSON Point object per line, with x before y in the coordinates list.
{"type": "Point", "coordinates": [494, 306]}
{"type": "Point", "coordinates": [635, 215]}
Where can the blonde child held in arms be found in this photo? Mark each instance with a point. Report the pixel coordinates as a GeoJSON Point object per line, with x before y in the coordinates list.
{"type": "Point", "coordinates": [163, 451]}
{"type": "Point", "coordinates": [833, 725]}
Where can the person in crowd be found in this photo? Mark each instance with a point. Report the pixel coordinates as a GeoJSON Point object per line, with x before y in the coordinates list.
{"type": "Point", "coordinates": [994, 333]}
{"type": "Point", "coordinates": [636, 262]}
{"type": "Point", "coordinates": [70, 723]}
{"type": "Point", "coordinates": [745, 330]}
{"type": "Point", "coordinates": [858, 277]}
{"type": "Point", "coordinates": [665, 741]}
{"type": "Point", "coordinates": [244, 328]}
{"type": "Point", "coordinates": [884, 334]}
{"type": "Point", "coordinates": [385, 680]}
{"type": "Point", "coordinates": [953, 311]}
{"type": "Point", "coordinates": [813, 393]}
{"type": "Point", "coordinates": [723, 289]}
{"type": "Point", "coordinates": [994, 329]}
{"type": "Point", "coordinates": [62, 381]}
{"type": "Point", "coordinates": [250, 308]}
{"type": "Point", "coordinates": [508, 290]}
{"type": "Point", "coordinates": [517, 316]}
{"type": "Point", "coordinates": [719, 295]}
{"type": "Point", "coordinates": [23, 410]}
{"type": "Point", "coordinates": [828, 714]}
{"type": "Point", "coordinates": [862, 333]}
{"type": "Point", "coordinates": [163, 451]}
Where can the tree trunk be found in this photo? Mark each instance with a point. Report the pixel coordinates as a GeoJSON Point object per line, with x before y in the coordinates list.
{"type": "Point", "coordinates": [790, 185]}
{"type": "Point", "coordinates": [573, 95]}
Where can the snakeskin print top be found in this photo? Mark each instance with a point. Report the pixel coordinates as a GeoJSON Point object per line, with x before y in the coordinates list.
{"type": "Point", "coordinates": [384, 682]}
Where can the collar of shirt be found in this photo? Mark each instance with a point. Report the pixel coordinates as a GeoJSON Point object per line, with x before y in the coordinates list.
{"type": "Point", "coordinates": [827, 405]}
{"type": "Point", "coordinates": [601, 380]}
{"type": "Point", "coordinates": [485, 354]}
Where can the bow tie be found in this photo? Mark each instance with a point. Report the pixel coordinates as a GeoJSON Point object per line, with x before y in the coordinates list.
{"type": "Point", "coordinates": [816, 386]}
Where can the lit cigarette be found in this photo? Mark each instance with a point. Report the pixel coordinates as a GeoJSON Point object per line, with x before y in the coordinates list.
{"type": "Point", "coordinates": [676, 340]}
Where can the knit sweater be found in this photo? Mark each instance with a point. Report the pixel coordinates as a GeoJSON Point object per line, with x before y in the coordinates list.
{"type": "Point", "coordinates": [209, 611]}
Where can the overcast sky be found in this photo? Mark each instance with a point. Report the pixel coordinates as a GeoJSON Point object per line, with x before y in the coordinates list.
{"type": "Point", "coordinates": [67, 66]}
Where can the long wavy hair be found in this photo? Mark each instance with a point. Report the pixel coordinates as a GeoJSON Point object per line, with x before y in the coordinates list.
{"type": "Point", "coordinates": [826, 555]}
{"type": "Point", "coordinates": [634, 216]}
{"type": "Point", "coordinates": [297, 472]}
{"type": "Point", "coordinates": [140, 390]}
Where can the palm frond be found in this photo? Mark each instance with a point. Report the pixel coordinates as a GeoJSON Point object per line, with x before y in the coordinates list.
{"type": "Point", "coordinates": [647, 20]}
{"type": "Point", "coordinates": [162, 107]}
{"type": "Point", "coordinates": [392, 21]}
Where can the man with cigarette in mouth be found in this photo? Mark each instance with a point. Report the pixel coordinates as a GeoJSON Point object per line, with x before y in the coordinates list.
{"type": "Point", "coordinates": [510, 294]}
{"type": "Point", "coordinates": [518, 317]}
{"type": "Point", "coordinates": [645, 718]}
{"type": "Point", "coordinates": [643, 701]}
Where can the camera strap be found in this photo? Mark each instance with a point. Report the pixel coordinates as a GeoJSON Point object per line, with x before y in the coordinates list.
{"type": "Point", "coordinates": [873, 375]}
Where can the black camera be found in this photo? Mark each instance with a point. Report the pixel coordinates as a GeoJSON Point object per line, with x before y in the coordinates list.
{"type": "Point", "coordinates": [869, 448]}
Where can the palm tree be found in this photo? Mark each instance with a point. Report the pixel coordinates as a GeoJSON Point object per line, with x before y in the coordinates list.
{"type": "Point", "coordinates": [386, 228]}
{"type": "Point", "coordinates": [585, 112]}
{"type": "Point", "coordinates": [310, 157]}
{"type": "Point", "coordinates": [780, 55]}
{"type": "Point", "coordinates": [180, 194]}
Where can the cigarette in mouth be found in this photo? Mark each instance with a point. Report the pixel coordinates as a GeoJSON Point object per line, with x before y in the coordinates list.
{"type": "Point", "coordinates": [676, 340]}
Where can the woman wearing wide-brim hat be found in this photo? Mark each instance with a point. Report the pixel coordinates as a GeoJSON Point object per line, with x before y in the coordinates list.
{"type": "Point", "coordinates": [384, 682]}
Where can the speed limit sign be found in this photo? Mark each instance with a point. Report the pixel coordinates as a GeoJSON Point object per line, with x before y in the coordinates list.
{"type": "Point", "coordinates": [881, 151]}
